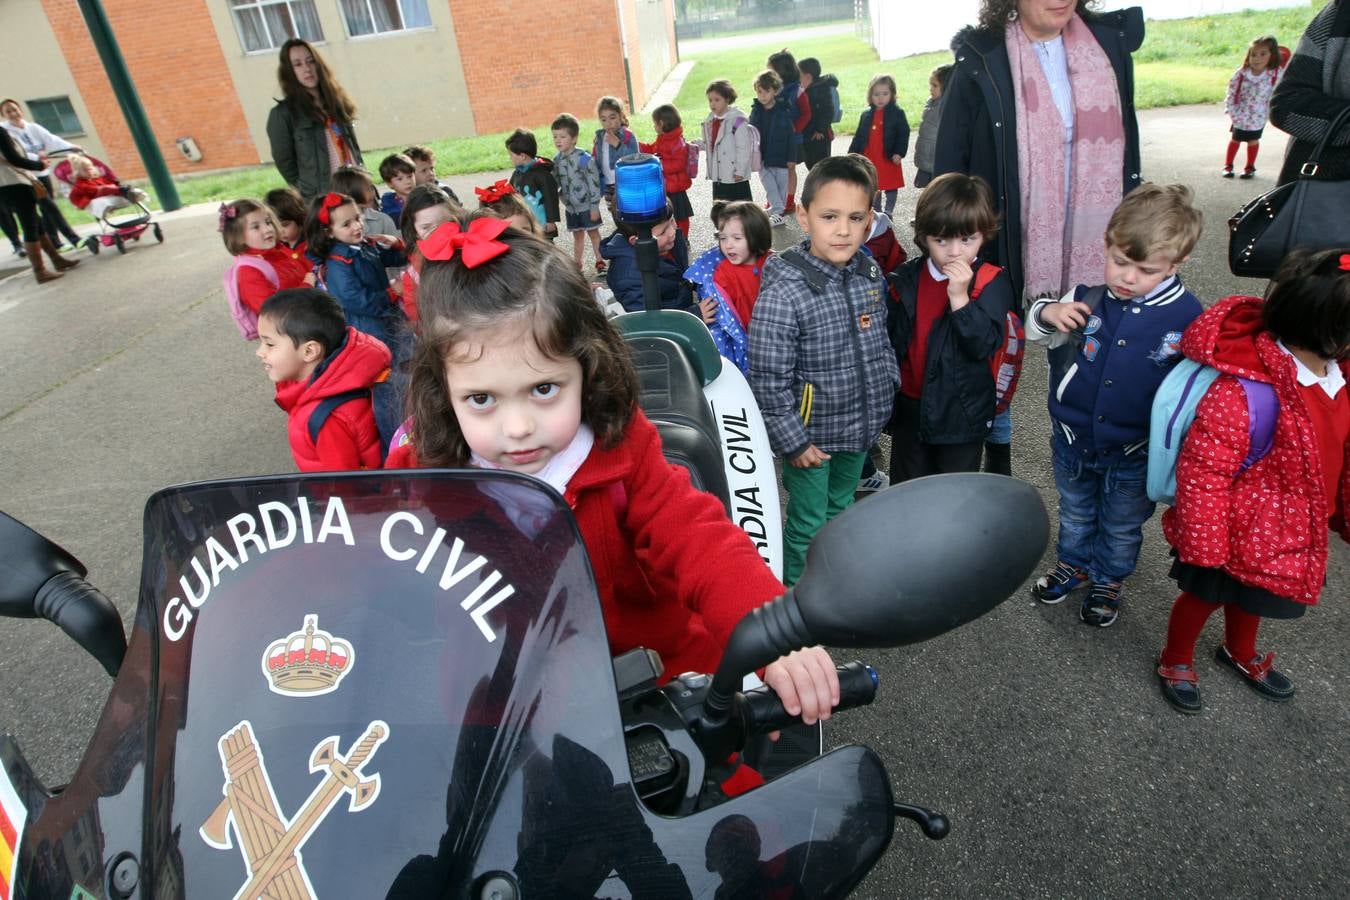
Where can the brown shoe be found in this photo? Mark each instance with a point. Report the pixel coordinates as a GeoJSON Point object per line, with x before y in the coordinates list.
{"type": "Point", "coordinates": [59, 262]}
{"type": "Point", "coordinates": [34, 250]}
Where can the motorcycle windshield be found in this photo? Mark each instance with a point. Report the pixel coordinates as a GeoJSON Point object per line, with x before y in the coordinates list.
{"type": "Point", "coordinates": [397, 685]}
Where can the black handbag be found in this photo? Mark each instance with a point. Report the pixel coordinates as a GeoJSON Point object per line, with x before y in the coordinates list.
{"type": "Point", "coordinates": [1306, 213]}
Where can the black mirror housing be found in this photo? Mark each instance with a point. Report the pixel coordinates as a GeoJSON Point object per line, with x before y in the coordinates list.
{"type": "Point", "coordinates": [41, 579]}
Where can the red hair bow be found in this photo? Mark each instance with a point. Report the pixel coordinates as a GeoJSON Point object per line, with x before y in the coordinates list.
{"type": "Point", "coordinates": [331, 202]}
{"type": "Point", "coordinates": [1345, 262]}
{"type": "Point", "coordinates": [476, 244]}
{"type": "Point", "coordinates": [494, 192]}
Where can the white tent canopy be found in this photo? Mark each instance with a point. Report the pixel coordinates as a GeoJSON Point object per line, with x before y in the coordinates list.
{"type": "Point", "coordinates": [898, 31]}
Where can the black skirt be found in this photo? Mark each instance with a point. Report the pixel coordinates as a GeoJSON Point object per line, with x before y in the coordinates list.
{"type": "Point", "coordinates": [1217, 586]}
{"type": "Point", "coordinates": [1241, 136]}
{"type": "Point", "coordinates": [679, 201]}
{"type": "Point", "coordinates": [731, 190]}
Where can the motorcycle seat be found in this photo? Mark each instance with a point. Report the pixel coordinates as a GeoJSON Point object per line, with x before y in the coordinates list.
{"type": "Point", "coordinates": [671, 394]}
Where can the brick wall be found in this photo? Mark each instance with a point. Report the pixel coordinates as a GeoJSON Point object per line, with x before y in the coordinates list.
{"type": "Point", "coordinates": [176, 63]}
{"type": "Point", "coordinates": [525, 62]}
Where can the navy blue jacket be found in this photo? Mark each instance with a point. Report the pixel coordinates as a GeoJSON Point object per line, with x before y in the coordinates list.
{"type": "Point", "coordinates": [775, 131]}
{"type": "Point", "coordinates": [355, 276]}
{"type": "Point", "coordinates": [1103, 402]}
{"type": "Point", "coordinates": [978, 131]}
{"type": "Point", "coordinates": [896, 136]}
{"type": "Point", "coordinates": [956, 401]}
{"type": "Point", "coordinates": [626, 281]}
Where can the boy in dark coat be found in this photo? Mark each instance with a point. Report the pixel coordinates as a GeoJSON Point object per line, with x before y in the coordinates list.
{"type": "Point", "coordinates": [533, 179]}
{"type": "Point", "coordinates": [626, 281]}
{"type": "Point", "coordinates": [820, 91]}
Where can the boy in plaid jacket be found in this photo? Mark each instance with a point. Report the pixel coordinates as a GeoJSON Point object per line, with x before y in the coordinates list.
{"type": "Point", "coordinates": [821, 365]}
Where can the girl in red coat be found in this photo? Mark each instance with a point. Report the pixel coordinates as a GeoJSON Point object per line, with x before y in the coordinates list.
{"type": "Point", "coordinates": [673, 152]}
{"type": "Point", "coordinates": [517, 368]}
{"type": "Point", "coordinates": [263, 265]}
{"type": "Point", "coordinates": [1255, 542]}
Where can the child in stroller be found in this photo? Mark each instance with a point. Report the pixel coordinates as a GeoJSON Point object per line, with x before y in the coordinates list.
{"type": "Point", "coordinates": [94, 187]}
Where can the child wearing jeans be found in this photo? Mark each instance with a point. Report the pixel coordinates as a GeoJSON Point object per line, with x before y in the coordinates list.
{"type": "Point", "coordinates": [1128, 333]}
{"type": "Point", "coordinates": [946, 318]}
{"type": "Point", "coordinates": [821, 366]}
{"type": "Point", "coordinates": [1253, 540]}
{"type": "Point", "coordinates": [773, 120]}
{"type": "Point", "coordinates": [579, 187]}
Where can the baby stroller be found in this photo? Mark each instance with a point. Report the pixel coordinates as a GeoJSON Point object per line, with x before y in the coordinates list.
{"type": "Point", "coordinates": [113, 231]}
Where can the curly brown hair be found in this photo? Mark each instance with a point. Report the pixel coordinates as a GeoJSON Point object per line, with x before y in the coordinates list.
{"type": "Point", "coordinates": [996, 14]}
{"type": "Point", "coordinates": [533, 286]}
{"type": "Point", "coordinates": [332, 100]}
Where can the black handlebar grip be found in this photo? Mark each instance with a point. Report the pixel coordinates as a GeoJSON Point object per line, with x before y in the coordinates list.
{"type": "Point", "coordinates": [761, 711]}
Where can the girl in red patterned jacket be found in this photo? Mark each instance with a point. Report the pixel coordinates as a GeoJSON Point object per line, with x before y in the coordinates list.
{"type": "Point", "coordinates": [517, 368]}
{"type": "Point", "coordinates": [1254, 541]}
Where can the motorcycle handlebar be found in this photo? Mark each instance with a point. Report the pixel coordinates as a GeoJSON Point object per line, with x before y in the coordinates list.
{"type": "Point", "coordinates": [762, 711]}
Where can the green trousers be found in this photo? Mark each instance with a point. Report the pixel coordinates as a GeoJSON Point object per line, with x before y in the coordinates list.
{"type": "Point", "coordinates": [815, 496]}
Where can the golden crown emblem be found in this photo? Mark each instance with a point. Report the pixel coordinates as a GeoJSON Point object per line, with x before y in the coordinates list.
{"type": "Point", "coordinates": [307, 662]}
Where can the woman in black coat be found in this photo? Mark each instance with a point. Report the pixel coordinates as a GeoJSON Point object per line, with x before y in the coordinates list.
{"type": "Point", "coordinates": [978, 132]}
{"type": "Point", "coordinates": [1313, 90]}
{"type": "Point", "coordinates": [310, 129]}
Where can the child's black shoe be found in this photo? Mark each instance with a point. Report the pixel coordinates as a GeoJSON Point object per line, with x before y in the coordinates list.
{"type": "Point", "coordinates": [1259, 674]}
{"type": "Point", "coordinates": [1227, 171]}
{"type": "Point", "coordinates": [1058, 583]}
{"type": "Point", "coordinates": [1180, 687]}
{"type": "Point", "coordinates": [1101, 607]}
{"type": "Point", "coordinates": [1248, 173]}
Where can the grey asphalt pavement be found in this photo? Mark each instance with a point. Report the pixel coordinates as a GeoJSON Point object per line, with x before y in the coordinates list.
{"type": "Point", "coordinates": [1063, 771]}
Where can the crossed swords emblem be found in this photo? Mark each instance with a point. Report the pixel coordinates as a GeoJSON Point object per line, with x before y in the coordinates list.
{"type": "Point", "coordinates": [270, 844]}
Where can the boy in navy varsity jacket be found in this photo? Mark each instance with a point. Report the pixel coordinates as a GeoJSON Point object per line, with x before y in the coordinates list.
{"type": "Point", "coordinates": [821, 365]}
{"type": "Point", "coordinates": [1128, 336]}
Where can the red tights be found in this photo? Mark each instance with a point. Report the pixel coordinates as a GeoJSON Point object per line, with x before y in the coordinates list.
{"type": "Point", "coordinates": [1189, 615]}
{"type": "Point", "coordinates": [1253, 147]}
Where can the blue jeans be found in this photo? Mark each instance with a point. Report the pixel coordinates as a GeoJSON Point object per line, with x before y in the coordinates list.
{"type": "Point", "coordinates": [1103, 505]}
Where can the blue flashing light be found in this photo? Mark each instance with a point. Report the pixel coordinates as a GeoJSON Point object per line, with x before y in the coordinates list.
{"type": "Point", "coordinates": [640, 189]}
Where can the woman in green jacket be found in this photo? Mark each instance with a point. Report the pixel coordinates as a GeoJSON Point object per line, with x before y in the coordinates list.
{"type": "Point", "coordinates": [310, 128]}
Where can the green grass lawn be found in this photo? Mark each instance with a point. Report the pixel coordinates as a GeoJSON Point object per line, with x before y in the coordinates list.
{"type": "Point", "coordinates": [1182, 61]}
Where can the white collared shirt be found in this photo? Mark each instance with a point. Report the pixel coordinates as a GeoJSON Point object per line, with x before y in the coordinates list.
{"type": "Point", "coordinates": [1331, 382]}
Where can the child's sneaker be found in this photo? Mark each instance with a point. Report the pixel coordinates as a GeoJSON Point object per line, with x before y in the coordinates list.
{"type": "Point", "coordinates": [1058, 583]}
{"type": "Point", "coordinates": [776, 220]}
{"type": "Point", "coordinates": [1249, 172]}
{"type": "Point", "coordinates": [877, 481]}
{"type": "Point", "coordinates": [1227, 171]}
{"type": "Point", "coordinates": [1101, 607]}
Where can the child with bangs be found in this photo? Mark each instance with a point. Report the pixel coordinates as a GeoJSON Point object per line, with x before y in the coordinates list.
{"type": "Point", "coordinates": [518, 369]}
{"type": "Point", "coordinates": [728, 275]}
{"type": "Point", "coordinates": [946, 318]}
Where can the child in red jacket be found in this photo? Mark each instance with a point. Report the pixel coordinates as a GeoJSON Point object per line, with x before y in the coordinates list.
{"type": "Point", "coordinates": [324, 370]}
{"type": "Point", "coordinates": [263, 264]}
{"type": "Point", "coordinates": [517, 368]}
{"type": "Point", "coordinates": [673, 152]}
{"type": "Point", "coordinates": [1254, 540]}
{"type": "Point", "coordinates": [99, 192]}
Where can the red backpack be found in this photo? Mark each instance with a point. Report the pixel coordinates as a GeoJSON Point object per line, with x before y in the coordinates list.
{"type": "Point", "coordinates": [1007, 362]}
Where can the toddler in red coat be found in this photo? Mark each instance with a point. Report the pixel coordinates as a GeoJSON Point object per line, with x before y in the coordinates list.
{"type": "Point", "coordinates": [673, 151]}
{"type": "Point", "coordinates": [517, 368]}
{"type": "Point", "coordinates": [1252, 538]}
{"type": "Point", "coordinates": [324, 371]}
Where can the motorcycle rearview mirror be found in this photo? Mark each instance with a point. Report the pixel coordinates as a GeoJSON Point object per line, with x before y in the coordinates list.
{"type": "Point", "coordinates": [40, 579]}
{"type": "Point", "coordinates": [907, 564]}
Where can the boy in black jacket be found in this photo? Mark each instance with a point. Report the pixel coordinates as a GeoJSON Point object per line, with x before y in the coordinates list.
{"type": "Point", "coordinates": [946, 318]}
{"type": "Point", "coordinates": [820, 92]}
{"type": "Point", "coordinates": [534, 180]}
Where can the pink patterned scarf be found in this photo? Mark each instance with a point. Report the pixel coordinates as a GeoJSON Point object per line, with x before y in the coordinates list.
{"type": "Point", "coordinates": [1062, 241]}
